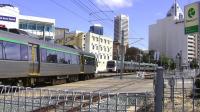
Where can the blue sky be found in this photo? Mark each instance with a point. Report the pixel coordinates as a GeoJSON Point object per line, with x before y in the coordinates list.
{"type": "Point", "coordinates": [70, 14]}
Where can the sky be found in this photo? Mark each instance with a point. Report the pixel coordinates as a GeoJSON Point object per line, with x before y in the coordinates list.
{"type": "Point", "coordinates": [81, 14]}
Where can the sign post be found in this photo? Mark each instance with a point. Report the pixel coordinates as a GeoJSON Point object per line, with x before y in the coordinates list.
{"type": "Point", "coordinates": [192, 18]}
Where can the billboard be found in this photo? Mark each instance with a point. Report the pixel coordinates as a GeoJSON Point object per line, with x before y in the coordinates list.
{"type": "Point", "coordinates": [191, 13]}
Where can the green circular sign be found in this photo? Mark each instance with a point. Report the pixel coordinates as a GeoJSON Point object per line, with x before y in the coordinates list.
{"type": "Point", "coordinates": [191, 12]}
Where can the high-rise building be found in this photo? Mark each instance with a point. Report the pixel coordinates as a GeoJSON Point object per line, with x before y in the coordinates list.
{"type": "Point", "coordinates": [97, 29]}
{"type": "Point", "coordinates": [167, 37]}
{"type": "Point", "coordinates": [121, 23]}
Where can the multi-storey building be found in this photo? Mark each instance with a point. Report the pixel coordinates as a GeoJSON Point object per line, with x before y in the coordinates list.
{"type": "Point", "coordinates": [121, 23]}
{"type": "Point", "coordinates": [74, 38]}
{"type": "Point", "coordinates": [167, 36]}
{"type": "Point", "coordinates": [42, 27]}
{"type": "Point", "coordinates": [97, 29]}
{"type": "Point", "coordinates": [101, 46]}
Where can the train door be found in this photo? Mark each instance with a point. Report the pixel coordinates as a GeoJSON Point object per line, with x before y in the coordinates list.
{"type": "Point", "coordinates": [82, 63]}
{"type": "Point", "coordinates": [34, 59]}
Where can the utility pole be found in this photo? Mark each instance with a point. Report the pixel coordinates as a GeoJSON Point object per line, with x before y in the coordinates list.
{"type": "Point", "coordinates": [122, 55]}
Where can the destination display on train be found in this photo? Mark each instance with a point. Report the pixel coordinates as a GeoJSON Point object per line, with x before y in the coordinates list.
{"type": "Point", "coordinates": [7, 18]}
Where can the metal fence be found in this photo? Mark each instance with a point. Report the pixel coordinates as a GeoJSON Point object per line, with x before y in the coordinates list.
{"type": "Point", "coordinates": [181, 91]}
{"type": "Point", "coordinates": [21, 99]}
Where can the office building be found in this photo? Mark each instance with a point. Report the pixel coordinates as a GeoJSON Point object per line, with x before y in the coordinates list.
{"type": "Point", "coordinates": [97, 29]}
{"type": "Point", "coordinates": [121, 23]}
{"type": "Point", "coordinates": [101, 46]}
{"type": "Point", "coordinates": [73, 39]}
{"type": "Point", "coordinates": [167, 37]}
{"type": "Point", "coordinates": [43, 28]}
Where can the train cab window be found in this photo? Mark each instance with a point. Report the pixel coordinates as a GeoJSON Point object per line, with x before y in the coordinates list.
{"type": "Point", "coordinates": [1, 50]}
{"type": "Point", "coordinates": [51, 56]}
{"type": "Point", "coordinates": [61, 57]}
{"type": "Point", "coordinates": [24, 52]}
{"type": "Point", "coordinates": [43, 53]}
{"type": "Point", "coordinates": [67, 58]}
{"type": "Point", "coordinates": [11, 51]}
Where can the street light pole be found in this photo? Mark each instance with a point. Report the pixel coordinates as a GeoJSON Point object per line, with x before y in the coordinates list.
{"type": "Point", "coordinates": [122, 55]}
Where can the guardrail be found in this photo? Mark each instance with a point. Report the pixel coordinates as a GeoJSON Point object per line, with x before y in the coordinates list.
{"type": "Point", "coordinates": [25, 99]}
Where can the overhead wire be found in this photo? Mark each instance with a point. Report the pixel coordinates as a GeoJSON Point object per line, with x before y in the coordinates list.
{"type": "Point", "coordinates": [81, 5]}
{"type": "Point", "coordinates": [67, 9]}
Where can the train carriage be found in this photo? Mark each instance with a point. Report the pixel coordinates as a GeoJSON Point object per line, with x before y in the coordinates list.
{"type": "Point", "coordinates": [130, 66]}
{"type": "Point", "coordinates": [26, 60]}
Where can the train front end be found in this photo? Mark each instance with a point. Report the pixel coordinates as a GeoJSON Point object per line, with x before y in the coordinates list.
{"type": "Point", "coordinates": [111, 66]}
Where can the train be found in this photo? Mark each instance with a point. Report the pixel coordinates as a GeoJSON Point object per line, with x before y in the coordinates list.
{"type": "Point", "coordinates": [27, 61]}
{"type": "Point", "coordinates": [130, 66]}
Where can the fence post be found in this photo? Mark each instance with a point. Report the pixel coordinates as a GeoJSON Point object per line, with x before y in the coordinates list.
{"type": "Point", "coordinates": [159, 88]}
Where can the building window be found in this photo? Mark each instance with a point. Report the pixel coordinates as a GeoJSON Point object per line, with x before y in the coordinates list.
{"type": "Point", "coordinates": [93, 38]}
{"type": "Point", "coordinates": [32, 26]}
{"type": "Point", "coordinates": [96, 47]}
{"type": "Point", "coordinates": [108, 57]}
{"type": "Point", "coordinates": [105, 41]}
{"type": "Point", "coordinates": [49, 28]}
{"type": "Point", "coordinates": [23, 25]}
{"type": "Point", "coordinates": [101, 49]}
{"type": "Point", "coordinates": [108, 42]}
{"type": "Point", "coordinates": [100, 56]}
{"type": "Point", "coordinates": [40, 27]}
{"type": "Point", "coordinates": [104, 56]}
{"type": "Point", "coordinates": [105, 49]}
{"type": "Point", "coordinates": [92, 46]}
{"type": "Point", "coordinates": [1, 50]}
{"type": "Point", "coordinates": [101, 40]}
{"type": "Point", "coordinates": [108, 50]}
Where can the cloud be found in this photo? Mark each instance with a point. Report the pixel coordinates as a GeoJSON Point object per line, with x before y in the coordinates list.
{"type": "Point", "coordinates": [116, 3]}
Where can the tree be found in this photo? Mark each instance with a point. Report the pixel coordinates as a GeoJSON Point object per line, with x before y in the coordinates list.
{"type": "Point", "coordinates": [194, 64]}
{"type": "Point", "coordinates": [166, 62]}
{"type": "Point", "coordinates": [132, 53]}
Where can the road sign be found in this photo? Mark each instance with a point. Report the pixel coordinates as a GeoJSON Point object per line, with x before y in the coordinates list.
{"type": "Point", "coordinates": [192, 18]}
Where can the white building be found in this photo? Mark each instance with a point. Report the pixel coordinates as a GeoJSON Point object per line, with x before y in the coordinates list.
{"type": "Point", "coordinates": [167, 36]}
{"type": "Point", "coordinates": [101, 46]}
{"type": "Point", "coordinates": [121, 23]}
{"type": "Point", "coordinates": [42, 27]}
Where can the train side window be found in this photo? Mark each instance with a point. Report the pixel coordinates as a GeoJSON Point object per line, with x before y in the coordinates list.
{"type": "Point", "coordinates": [74, 59]}
{"type": "Point", "coordinates": [51, 56]}
{"type": "Point", "coordinates": [78, 59]}
{"type": "Point", "coordinates": [61, 57]}
{"type": "Point", "coordinates": [1, 50]}
{"type": "Point", "coordinates": [11, 51]}
{"type": "Point", "coordinates": [43, 53]}
{"type": "Point", "coordinates": [24, 52]}
{"type": "Point", "coordinates": [67, 58]}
